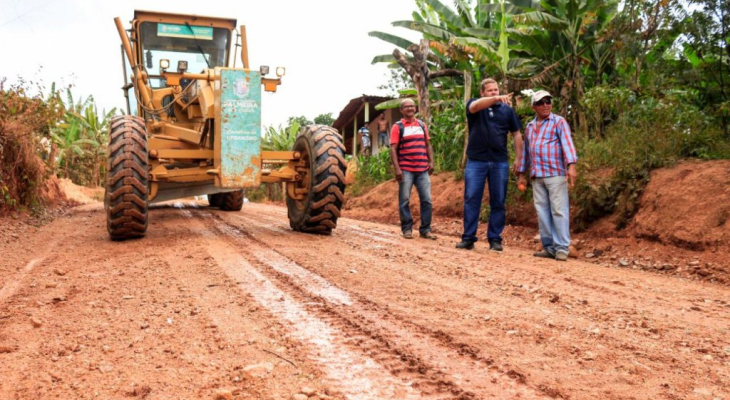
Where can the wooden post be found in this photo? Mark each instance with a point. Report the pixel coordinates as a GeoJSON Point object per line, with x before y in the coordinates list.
{"type": "Point", "coordinates": [354, 136]}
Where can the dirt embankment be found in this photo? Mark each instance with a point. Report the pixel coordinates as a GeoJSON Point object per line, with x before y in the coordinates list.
{"type": "Point", "coordinates": [687, 206]}
{"type": "Point", "coordinates": [681, 227]}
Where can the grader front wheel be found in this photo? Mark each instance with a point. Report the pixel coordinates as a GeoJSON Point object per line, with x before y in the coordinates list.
{"type": "Point", "coordinates": [125, 197]}
{"type": "Point", "coordinates": [323, 158]}
{"type": "Point", "coordinates": [232, 201]}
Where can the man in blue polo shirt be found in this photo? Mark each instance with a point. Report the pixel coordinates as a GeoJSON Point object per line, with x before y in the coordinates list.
{"type": "Point", "coordinates": [491, 120]}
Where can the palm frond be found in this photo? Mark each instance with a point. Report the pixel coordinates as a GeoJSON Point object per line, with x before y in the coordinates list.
{"type": "Point", "coordinates": [396, 40]}
{"type": "Point", "coordinates": [425, 28]}
{"type": "Point", "coordinates": [445, 13]}
{"type": "Point", "coordinates": [465, 12]}
{"type": "Point", "coordinates": [386, 58]}
{"type": "Point", "coordinates": [542, 19]}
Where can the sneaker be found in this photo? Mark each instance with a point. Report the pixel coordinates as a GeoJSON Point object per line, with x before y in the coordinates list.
{"type": "Point", "coordinates": [408, 235]}
{"type": "Point", "coordinates": [543, 254]}
{"type": "Point", "coordinates": [561, 256]}
{"type": "Point", "coordinates": [428, 235]}
{"type": "Point", "coordinates": [465, 244]}
{"type": "Point", "coordinates": [495, 245]}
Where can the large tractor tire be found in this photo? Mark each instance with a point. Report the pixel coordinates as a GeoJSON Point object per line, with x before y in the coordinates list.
{"type": "Point", "coordinates": [125, 197]}
{"type": "Point", "coordinates": [323, 153]}
{"type": "Point", "coordinates": [215, 199]}
{"type": "Point", "coordinates": [231, 201]}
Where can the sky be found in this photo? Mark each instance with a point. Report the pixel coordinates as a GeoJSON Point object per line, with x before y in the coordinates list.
{"type": "Point", "coordinates": [323, 44]}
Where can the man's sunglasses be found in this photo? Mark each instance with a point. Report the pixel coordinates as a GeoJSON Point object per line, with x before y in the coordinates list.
{"type": "Point", "coordinates": [543, 102]}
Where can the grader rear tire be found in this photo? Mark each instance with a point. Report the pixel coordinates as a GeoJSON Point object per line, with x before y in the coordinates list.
{"type": "Point", "coordinates": [322, 149]}
{"type": "Point", "coordinates": [231, 201]}
{"type": "Point", "coordinates": [125, 197]}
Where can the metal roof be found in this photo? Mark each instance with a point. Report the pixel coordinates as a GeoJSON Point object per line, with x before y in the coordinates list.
{"type": "Point", "coordinates": [353, 107]}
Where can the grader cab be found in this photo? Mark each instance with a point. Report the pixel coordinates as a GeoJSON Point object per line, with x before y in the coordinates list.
{"type": "Point", "coordinates": [197, 129]}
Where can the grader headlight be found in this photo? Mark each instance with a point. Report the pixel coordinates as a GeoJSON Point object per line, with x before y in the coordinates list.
{"type": "Point", "coordinates": [264, 69]}
{"type": "Point", "coordinates": [164, 64]}
{"type": "Point", "coordinates": [280, 71]}
{"type": "Point", "coordinates": [182, 66]}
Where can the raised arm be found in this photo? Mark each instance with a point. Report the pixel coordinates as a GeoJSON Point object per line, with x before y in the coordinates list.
{"type": "Point", "coordinates": [486, 102]}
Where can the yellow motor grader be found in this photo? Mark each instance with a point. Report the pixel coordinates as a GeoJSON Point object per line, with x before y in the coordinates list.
{"type": "Point", "coordinates": [197, 129]}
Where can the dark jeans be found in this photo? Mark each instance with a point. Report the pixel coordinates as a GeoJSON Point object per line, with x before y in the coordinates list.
{"type": "Point", "coordinates": [384, 139]}
{"type": "Point", "coordinates": [475, 176]}
{"type": "Point", "coordinates": [423, 186]}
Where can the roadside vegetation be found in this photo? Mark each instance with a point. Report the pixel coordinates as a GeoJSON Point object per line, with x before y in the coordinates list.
{"type": "Point", "coordinates": [41, 136]}
{"type": "Point", "coordinates": [643, 83]}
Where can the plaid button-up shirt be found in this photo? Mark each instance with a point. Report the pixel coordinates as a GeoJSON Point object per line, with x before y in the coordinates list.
{"type": "Point", "coordinates": [548, 151]}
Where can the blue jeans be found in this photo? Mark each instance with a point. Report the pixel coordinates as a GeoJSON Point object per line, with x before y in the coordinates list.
{"type": "Point", "coordinates": [553, 213]}
{"type": "Point", "coordinates": [383, 139]}
{"type": "Point", "coordinates": [476, 174]}
{"type": "Point", "coordinates": [423, 186]}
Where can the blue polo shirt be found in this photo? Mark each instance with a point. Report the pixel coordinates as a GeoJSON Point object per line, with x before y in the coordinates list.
{"type": "Point", "coordinates": [488, 130]}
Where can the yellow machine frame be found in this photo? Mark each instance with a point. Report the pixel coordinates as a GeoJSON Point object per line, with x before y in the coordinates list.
{"type": "Point", "coordinates": [185, 138]}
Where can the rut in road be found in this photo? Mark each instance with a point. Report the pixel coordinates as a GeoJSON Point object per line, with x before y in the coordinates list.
{"type": "Point", "coordinates": [428, 360]}
{"type": "Point", "coordinates": [548, 321]}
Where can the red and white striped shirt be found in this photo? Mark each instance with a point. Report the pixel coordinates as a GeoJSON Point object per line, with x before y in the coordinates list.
{"type": "Point", "coordinates": [413, 152]}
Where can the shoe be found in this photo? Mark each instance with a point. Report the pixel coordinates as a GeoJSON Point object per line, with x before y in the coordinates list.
{"type": "Point", "coordinates": [561, 256]}
{"type": "Point", "coordinates": [543, 254]}
{"type": "Point", "coordinates": [465, 244]}
{"type": "Point", "coordinates": [408, 235]}
{"type": "Point", "coordinates": [495, 245]}
{"type": "Point", "coordinates": [428, 235]}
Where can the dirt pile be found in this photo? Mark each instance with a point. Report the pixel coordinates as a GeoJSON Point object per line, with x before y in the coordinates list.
{"type": "Point", "coordinates": [381, 202]}
{"type": "Point", "coordinates": [687, 205]}
{"type": "Point", "coordinates": [81, 194]}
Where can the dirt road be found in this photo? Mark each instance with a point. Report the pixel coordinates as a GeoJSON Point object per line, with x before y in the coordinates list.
{"type": "Point", "coordinates": [235, 305]}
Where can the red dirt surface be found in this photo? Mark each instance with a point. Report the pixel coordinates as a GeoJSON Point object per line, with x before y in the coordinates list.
{"type": "Point", "coordinates": [234, 305]}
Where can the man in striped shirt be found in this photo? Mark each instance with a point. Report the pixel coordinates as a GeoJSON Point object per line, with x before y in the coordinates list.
{"type": "Point", "coordinates": [550, 156]}
{"type": "Point", "coordinates": [412, 156]}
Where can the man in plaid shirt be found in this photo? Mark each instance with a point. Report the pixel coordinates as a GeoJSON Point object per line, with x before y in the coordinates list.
{"type": "Point", "coordinates": [550, 156]}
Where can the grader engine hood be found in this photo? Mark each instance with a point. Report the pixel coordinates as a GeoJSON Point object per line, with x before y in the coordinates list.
{"type": "Point", "coordinates": [238, 131]}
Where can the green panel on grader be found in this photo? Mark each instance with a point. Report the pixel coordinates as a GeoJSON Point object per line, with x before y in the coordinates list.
{"type": "Point", "coordinates": [240, 124]}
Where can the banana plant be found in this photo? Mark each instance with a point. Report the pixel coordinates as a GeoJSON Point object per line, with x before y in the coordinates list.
{"type": "Point", "coordinates": [81, 140]}
{"type": "Point", "coordinates": [280, 139]}
{"type": "Point", "coordinates": [562, 39]}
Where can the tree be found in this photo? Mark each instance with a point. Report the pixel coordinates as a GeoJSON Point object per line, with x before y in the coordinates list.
{"type": "Point", "coordinates": [560, 37]}
{"type": "Point", "coordinates": [708, 50]}
{"type": "Point", "coordinates": [301, 121]}
{"type": "Point", "coordinates": [81, 139]}
{"type": "Point", "coordinates": [324, 119]}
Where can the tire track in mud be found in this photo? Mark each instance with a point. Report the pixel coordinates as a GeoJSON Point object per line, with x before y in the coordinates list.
{"type": "Point", "coordinates": [432, 360]}
{"type": "Point", "coordinates": [357, 376]}
{"type": "Point", "coordinates": [581, 303]}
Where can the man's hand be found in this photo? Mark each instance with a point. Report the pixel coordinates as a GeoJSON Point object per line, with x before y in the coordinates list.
{"type": "Point", "coordinates": [521, 183]}
{"type": "Point", "coordinates": [572, 177]}
{"type": "Point", "coordinates": [516, 167]}
{"type": "Point", "coordinates": [430, 168]}
{"type": "Point", "coordinates": [399, 175]}
{"type": "Point", "coordinates": [505, 98]}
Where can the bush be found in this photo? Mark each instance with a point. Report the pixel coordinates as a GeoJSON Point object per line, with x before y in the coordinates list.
{"type": "Point", "coordinates": [447, 136]}
{"type": "Point", "coordinates": [654, 133]}
{"type": "Point", "coordinates": [25, 123]}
